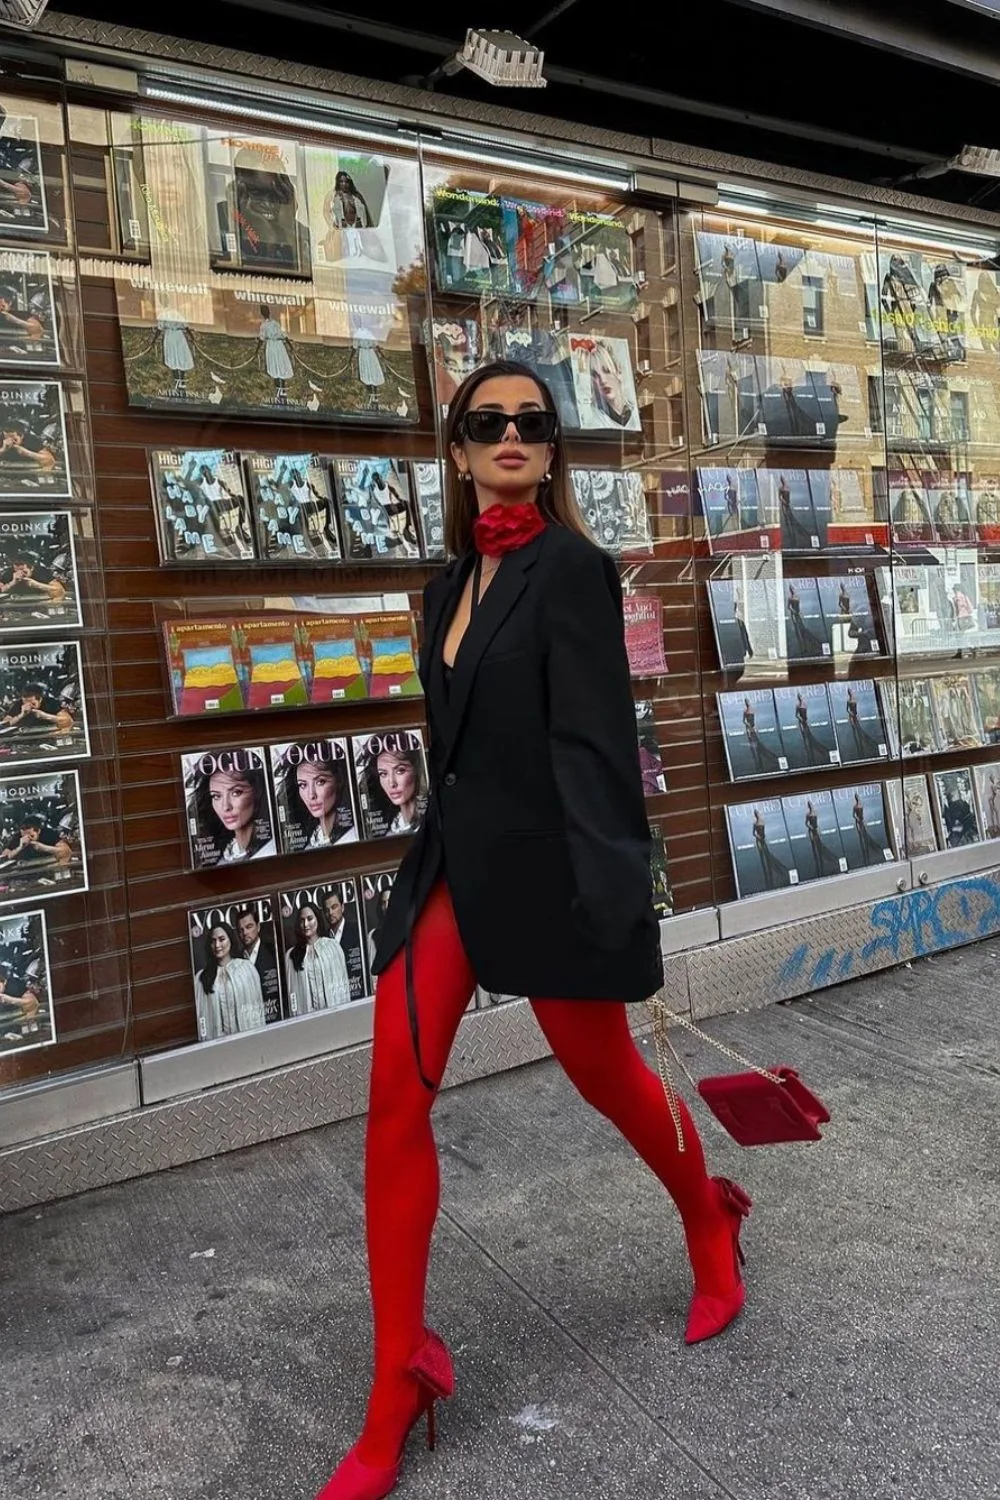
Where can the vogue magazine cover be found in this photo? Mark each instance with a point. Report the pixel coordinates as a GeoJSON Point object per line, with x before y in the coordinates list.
{"type": "Point", "coordinates": [43, 712]}
{"type": "Point", "coordinates": [292, 505]}
{"type": "Point", "coordinates": [314, 794]}
{"type": "Point", "coordinates": [39, 587]}
{"type": "Point", "coordinates": [34, 464]}
{"type": "Point", "coordinates": [201, 506]}
{"type": "Point", "coordinates": [323, 946]}
{"type": "Point", "coordinates": [27, 1019]}
{"type": "Point", "coordinates": [391, 776]}
{"type": "Point", "coordinates": [235, 967]}
{"type": "Point", "coordinates": [375, 892]}
{"type": "Point", "coordinates": [227, 802]}
{"type": "Point", "coordinates": [42, 848]}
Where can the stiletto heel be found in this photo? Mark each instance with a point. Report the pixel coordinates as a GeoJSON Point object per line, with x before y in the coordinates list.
{"type": "Point", "coordinates": [434, 1373]}
{"type": "Point", "coordinates": [710, 1314]}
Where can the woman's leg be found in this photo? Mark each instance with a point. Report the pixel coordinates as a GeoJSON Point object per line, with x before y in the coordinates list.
{"type": "Point", "coordinates": [401, 1166]}
{"type": "Point", "coordinates": [592, 1041]}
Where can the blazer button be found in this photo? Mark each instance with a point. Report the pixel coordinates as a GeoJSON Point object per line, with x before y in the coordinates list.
{"type": "Point", "coordinates": [450, 779]}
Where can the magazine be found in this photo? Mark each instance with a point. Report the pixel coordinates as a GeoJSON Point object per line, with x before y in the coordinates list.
{"type": "Point", "coordinates": [806, 635]}
{"type": "Point", "coordinates": [470, 248]}
{"type": "Point", "coordinates": [955, 808]}
{"type": "Point", "coordinates": [863, 830]}
{"type": "Point", "coordinates": [350, 211]}
{"type": "Point", "coordinates": [888, 699]}
{"type": "Point", "coordinates": [376, 889]}
{"type": "Point", "coordinates": [857, 721]}
{"type": "Point", "coordinates": [654, 778]}
{"type": "Point", "coordinates": [390, 769]}
{"type": "Point", "coordinates": [227, 806]}
{"type": "Point", "coordinates": [956, 710]}
{"type": "Point", "coordinates": [22, 182]}
{"type": "Point", "coordinates": [858, 509]}
{"type": "Point", "coordinates": [613, 505]}
{"type": "Point", "coordinates": [377, 517]}
{"type": "Point", "coordinates": [801, 503]}
{"type": "Point", "coordinates": [806, 726]}
{"type": "Point", "coordinates": [201, 657]}
{"type": "Point", "coordinates": [731, 292]}
{"type": "Point", "coordinates": [256, 203]}
{"type": "Point", "coordinates": [918, 728]}
{"type": "Point", "coordinates": [427, 483]}
{"type": "Point", "coordinates": [848, 616]}
{"type": "Point", "coordinates": [34, 462]}
{"type": "Point", "coordinates": [602, 270]}
{"type": "Point", "coordinates": [751, 735]}
{"type": "Point", "coordinates": [644, 634]}
{"type": "Point", "coordinates": [391, 655]}
{"type": "Point", "coordinates": [663, 896]}
{"type": "Point", "coordinates": [270, 668]}
{"type": "Point", "coordinates": [203, 515]}
{"type": "Point", "coordinates": [814, 835]}
{"type": "Point", "coordinates": [314, 794]}
{"type": "Point", "coordinates": [292, 507]}
{"type": "Point", "coordinates": [457, 352]}
{"type": "Point", "coordinates": [988, 697]}
{"type": "Point", "coordinates": [234, 967]}
{"type": "Point", "coordinates": [43, 711]}
{"type": "Point", "coordinates": [39, 586]}
{"type": "Point", "coordinates": [987, 781]}
{"type": "Point", "coordinates": [332, 656]}
{"type": "Point", "coordinates": [739, 515]}
{"type": "Point", "coordinates": [29, 332]}
{"type": "Point", "coordinates": [919, 835]}
{"type": "Point", "coordinates": [530, 229]}
{"type": "Point", "coordinates": [42, 847]}
{"type": "Point", "coordinates": [746, 613]}
{"type": "Point", "coordinates": [27, 1017]}
{"type": "Point", "coordinates": [760, 848]}
{"type": "Point", "coordinates": [322, 946]}
{"type": "Point", "coordinates": [603, 383]}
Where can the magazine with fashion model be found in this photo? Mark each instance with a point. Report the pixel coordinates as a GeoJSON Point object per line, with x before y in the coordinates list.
{"type": "Point", "coordinates": [919, 833]}
{"type": "Point", "coordinates": [235, 968]}
{"type": "Point", "coordinates": [806, 635]}
{"type": "Point", "coordinates": [806, 726]}
{"type": "Point", "coordinates": [43, 710]}
{"type": "Point", "coordinates": [227, 806]}
{"type": "Point", "coordinates": [814, 835]}
{"type": "Point", "coordinates": [375, 892]}
{"type": "Point", "coordinates": [390, 769]}
{"type": "Point", "coordinates": [42, 848]}
{"type": "Point", "coordinates": [27, 1016]}
{"type": "Point", "coordinates": [862, 823]}
{"type": "Point", "coordinates": [955, 808]}
{"type": "Point", "coordinates": [847, 615]}
{"type": "Point", "coordinates": [324, 946]}
{"type": "Point", "coordinates": [314, 794]}
{"type": "Point", "coordinates": [760, 848]}
{"type": "Point", "coordinates": [747, 616]}
{"type": "Point", "coordinates": [202, 510]}
{"type": "Point", "coordinates": [857, 720]}
{"type": "Point", "coordinates": [751, 735]}
{"type": "Point", "coordinates": [987, 782]}
{"type": "Point", "coordinates": [654, 778]}
{"type": "Point", "coordinates": [956, 710]}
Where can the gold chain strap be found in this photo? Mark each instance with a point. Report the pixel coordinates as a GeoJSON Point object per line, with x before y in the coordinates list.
{"type": "Point", "coordinates": [662, 1019]}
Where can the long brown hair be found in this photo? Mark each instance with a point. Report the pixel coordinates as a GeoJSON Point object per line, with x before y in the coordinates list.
{"type": "Point", "coordinates": [555, 496]}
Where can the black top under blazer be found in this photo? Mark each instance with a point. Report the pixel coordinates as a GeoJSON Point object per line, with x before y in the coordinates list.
{"type": "Point", "coordinates": [536, 813]}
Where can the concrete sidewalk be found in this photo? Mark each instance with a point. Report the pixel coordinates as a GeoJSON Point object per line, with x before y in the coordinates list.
{"type": "Point", "coordinates": [204, 1332]}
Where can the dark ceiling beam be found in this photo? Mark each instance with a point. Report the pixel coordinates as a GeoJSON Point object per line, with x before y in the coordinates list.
{"type": "Point", "coordinates": [939, 46]}
{"type": "Point", "coordinates": [398, 36]}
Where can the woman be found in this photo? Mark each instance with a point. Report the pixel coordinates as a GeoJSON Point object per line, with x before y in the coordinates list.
{"type": "Point", "coordinates": [610, 403]}
{"type": "Point", "coordinates": [318, 799]}
{"type": "Point", "coordinates": [535, 788]}
{"type": "Point", "coordinates": [315, 967]}
{"type": "Point", "coordinates": [233, 809]}
{"type": "Point", "coordinates": [277, 360]}
{"type": "Point", "coordinates": [348, 216]}
{"type": "Point", "coordinates": [227, 991]}
{"type": "Point", "coordinates": [395, 790]}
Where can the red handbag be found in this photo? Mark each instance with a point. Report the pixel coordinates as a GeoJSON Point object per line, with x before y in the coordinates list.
{"type": "Point", "coordinates": [760, 1108]}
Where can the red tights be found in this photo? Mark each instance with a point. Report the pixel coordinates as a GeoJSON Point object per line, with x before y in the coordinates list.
{"type": "Point", "coordinates": [593, 1043]}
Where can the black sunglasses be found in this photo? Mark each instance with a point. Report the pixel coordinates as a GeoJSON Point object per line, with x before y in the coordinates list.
{"type": "Point", "coordinates": [488, 426]}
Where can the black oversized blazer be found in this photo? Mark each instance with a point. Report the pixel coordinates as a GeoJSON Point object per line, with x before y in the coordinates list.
{"type": "Point", "coordinates": [536, 814]}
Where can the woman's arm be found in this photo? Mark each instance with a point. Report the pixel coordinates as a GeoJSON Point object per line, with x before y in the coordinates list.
{"type": "Point", "coordinates": [594, 745]}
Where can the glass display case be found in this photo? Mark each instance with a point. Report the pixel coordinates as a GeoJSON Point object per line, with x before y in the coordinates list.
{"type": "Point", "coordinates": [228, 345]}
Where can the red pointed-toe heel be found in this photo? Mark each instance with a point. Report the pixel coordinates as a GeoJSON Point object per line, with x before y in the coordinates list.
{"type": "Point", "coordinates": [432, 1369]}
{"type": "Point", "coordinates": [709, 1315]}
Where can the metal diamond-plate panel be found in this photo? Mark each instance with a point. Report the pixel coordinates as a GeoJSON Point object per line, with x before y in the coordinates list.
{"type": "Point", "coordinates": [750, 972]}
{"type": "Point", "coordinates": [139, 45]}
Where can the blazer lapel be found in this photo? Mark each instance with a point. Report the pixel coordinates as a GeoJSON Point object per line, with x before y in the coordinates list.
{"type": "Point", "coordinates": [443, 600]}
{"type": "Point", "coordinates": [496, 604]}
